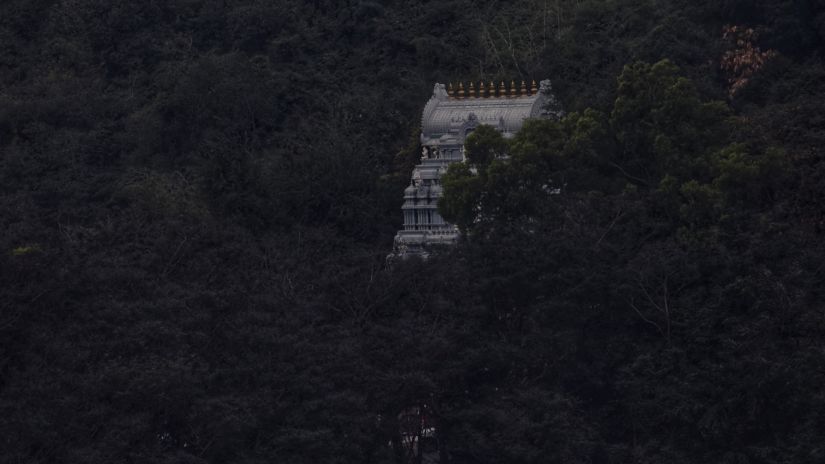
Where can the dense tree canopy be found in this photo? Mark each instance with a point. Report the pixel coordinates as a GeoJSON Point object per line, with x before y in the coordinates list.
{"type": "Point", "coordinates": [197, 198]}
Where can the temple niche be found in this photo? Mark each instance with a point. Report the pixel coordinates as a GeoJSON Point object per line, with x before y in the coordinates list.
{"type": "Point", "coordinates": [449, 117]}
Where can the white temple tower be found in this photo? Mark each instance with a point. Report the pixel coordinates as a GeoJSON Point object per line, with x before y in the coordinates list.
{"type": "Point", "coordinates": [449, 117]}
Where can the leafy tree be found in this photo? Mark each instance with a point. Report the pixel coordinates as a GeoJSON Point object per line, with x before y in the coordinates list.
{"type": "Point", "coordinates": [484, 145]}
{"type": "Point", "coordinates": [462, 195]}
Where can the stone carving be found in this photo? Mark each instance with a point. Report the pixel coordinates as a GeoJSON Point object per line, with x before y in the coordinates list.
{"type": "Point", "coordinates": [440, 92]}
{"type": "Point", "coordinates": [552, 107]}
{"type": "Point", "coordinates": [545, 86]}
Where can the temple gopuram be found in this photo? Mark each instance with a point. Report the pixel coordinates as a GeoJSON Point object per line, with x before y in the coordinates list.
{"type": "Point", "coordinates": [449, 117]}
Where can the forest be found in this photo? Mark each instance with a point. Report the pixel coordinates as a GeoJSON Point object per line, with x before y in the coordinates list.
{"type": "Point", "coordinates": [198, 197]}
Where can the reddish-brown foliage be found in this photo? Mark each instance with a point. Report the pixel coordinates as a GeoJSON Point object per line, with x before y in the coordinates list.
{"type": "Point", "coordinates": [744, 59]}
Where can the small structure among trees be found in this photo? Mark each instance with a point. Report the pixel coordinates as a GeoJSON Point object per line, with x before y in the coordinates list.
{"type": "Point", "coordinates": [417, 436]}
{"type": "Point", "coordinates": [451, 115]}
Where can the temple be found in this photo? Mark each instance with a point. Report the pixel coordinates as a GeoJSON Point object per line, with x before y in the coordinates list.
{"type": "Point", "coordinates": [449, 117]}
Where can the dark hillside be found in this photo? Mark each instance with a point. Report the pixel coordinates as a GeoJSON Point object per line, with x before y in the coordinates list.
{"type": "Point", "coordinates": [197, 198]}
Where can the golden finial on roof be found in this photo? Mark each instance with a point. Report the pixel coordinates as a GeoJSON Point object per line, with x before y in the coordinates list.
{"type": "Point", "coordinates": [460, 90]}
{"type": "Point", "coordinates": [533, 88]}
{"type": "Point", "coordinates": [491, 89]}
{"type": "Point", "coordinates": [472, 90]}
{"type": "Point", "coordinates": [502, 91]}
{"type": "Point", "coordinates": [482, 91]}
{"type": "Point", "coordinates": [451, 91]}
{"type": "Point", "coordinates": [523, 89]}
{"type": "Point", "coordinates": [512, 92]}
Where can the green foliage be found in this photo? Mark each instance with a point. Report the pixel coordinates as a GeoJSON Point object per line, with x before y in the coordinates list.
{"type": "Point", "coordinates": [641, 218]}
{"type": "Point", "coordinates": [661, 136]}
{"type": "Point", "coordinates": [484, 145]}
{"type": "Point", "coordinates": [462, 194]}
{"type": "Point", "coordinates": [662, 126]}
{"type": "Point", "coordinates": [197, 198]}
{"type": "Point", "coordinates": [25, 250]}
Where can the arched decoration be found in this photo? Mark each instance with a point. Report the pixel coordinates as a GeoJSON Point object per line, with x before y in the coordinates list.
{"type": "Point", "coordinates": [446, 117]}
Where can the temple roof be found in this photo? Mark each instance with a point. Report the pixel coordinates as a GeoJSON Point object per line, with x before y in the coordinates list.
{"type": "Point", "coordinates": [447, 119]}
